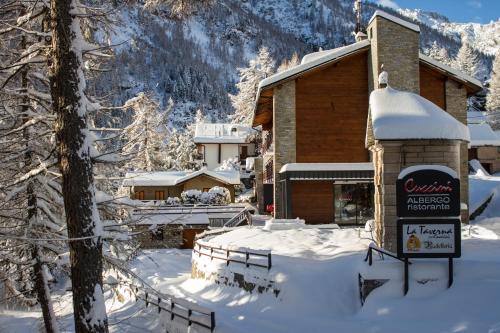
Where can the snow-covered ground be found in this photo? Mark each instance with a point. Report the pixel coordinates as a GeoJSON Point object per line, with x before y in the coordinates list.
{"type": "Point", "coordinates": [315, 270]}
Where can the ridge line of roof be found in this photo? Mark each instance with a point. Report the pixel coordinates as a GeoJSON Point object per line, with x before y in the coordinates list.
{"type": "Point", "coordinates": [395, 19]}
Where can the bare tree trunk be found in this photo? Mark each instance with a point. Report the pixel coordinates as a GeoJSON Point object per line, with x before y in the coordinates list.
{"type": "Point", "coordinates": [76, 168]}
{"type": "Point", "coordinates": [41, 286]}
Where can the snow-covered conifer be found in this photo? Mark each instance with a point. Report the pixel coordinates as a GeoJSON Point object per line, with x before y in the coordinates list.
{"type": "Point", "coordinates": [467, 60]}
{"type": "Point", "coordinates": [145, 139]}
{"type": "Point", "coordinates": [439, 53]}
{"type": "Point", "coordinates": [493, 98]}
{"type": "Point", "coordinates": [260, 68]}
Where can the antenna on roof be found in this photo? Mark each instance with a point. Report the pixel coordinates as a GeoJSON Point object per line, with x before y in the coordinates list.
{"type": "Point", "coordinates": [359, 31]}
{"type": "Point", "coordinates": [357, 10]}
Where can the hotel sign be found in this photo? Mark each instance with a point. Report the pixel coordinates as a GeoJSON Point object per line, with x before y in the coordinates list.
{"type": "Point", "coordinates": [428, 191]}
{"type": "Point", "coordinates": [429, 238]}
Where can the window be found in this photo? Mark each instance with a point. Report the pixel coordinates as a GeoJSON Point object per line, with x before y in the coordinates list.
{"type": "Point", "coordinates": [159, 195]}
{"type": "Point", "coordinates": [353, 203]}
{"type": "Point", "coordinates": [139, 195]}
{"type": "Point", "coordinates": [157, 234]}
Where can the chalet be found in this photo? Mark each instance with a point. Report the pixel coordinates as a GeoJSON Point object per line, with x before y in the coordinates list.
{"type": "Point", "coordinates": [219, 142]}
{"type": "Point", "coordinates": [333, 143]}
{"type": "Point", "coordinates": [485, 143]}
{"type": "Point", "coordinates": [164, 184]}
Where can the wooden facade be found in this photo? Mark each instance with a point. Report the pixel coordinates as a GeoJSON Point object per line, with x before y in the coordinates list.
{"type": "Point", "coordinates": [331, 111]}
{"type": "Point", "coordinates": [433, 86]}
{"type": "Point", "coordinates": [313, 201]}
{"type": "Point", "coordinates": [331, 115]}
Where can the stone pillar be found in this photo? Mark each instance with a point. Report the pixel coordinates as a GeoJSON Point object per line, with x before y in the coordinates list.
{"type": "Point", "coordinates": [259, 184]}
{"type": "Point", "coordinates": [456, 105]}
{"type": "Point", "coordinates": [396, 156]}
{"type": "Point", "coordinates": [284, 136]}
{"type": "Point", "coordinates": [397, 48]}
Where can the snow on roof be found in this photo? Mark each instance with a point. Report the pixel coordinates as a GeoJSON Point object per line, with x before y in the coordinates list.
{"type": "Point", "coordinates": [172, 178]}
{"type": "Point", "coordinates": [395, 19]}
{"type": "Point", "coordinates": [326, 167]}
{"type": "Point", "coordinates": [403, 115]}
{"type": "Point", "coordinates": [315, 59]}
{"type": "Point", "coordinates": [482, 135]}
{"type": "Point", "coordinates": [222, 133]}
{"type": "Point", "coordinates": [454, 72]}
{"type": "Point", "coordinates": [160, 219]}
{"type": "Point", "coordinates": [475, 117]}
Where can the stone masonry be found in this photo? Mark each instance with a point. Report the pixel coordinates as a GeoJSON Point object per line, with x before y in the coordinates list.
{"type": "Point", "coordinates": [284, 134]}
{"type": "Point", "coordinates": [456, 105]}
{"type": "Point", "coordinates": [396, 156]}
{"type": "Point", "coordinates": [259, 183]}
{"type": "Point", "coordinates": [397, 48]}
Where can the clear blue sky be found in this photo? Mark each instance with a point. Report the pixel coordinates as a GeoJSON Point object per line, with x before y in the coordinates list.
{"type": "Point", "coordinates": [481, 11]}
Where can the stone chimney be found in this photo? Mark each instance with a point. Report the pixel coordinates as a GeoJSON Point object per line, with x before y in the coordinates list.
{"type": "Point", "coordinates": [395, 44]}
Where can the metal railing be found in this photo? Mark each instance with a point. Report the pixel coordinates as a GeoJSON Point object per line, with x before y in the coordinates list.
{"type": "Point", "coordinates": [238, 219]}
{"type": "Point", "coordinates": [372, 247]}
{"type": "Point", "coordinates": [246, 256]}
{"type": "Point", "coordinates": [192, 313]}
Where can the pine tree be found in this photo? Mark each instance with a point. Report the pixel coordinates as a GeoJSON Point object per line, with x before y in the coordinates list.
{"type": "Point", "coordinates": [439, 53]}
{"type": "Point", "coordinates": [260, 68]}
{"type": "Point", "coordinates": [182, 149]}
{"type": "Point", "coordinates": [286, 64]}
{"type": "Point", "coordinates": [147, 136]}
{"type": "Point", "coordinates": [67, 83]}
{"type": "Point", "coordinates": [467, 60]}
{"type": "Point", "coordinates": [31, 207]}
{"type": "Point", "coordinates": [493, 98]}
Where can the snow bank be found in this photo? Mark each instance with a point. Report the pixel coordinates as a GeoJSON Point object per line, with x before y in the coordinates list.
{"type": "Point", "coordinates": [404, 115]}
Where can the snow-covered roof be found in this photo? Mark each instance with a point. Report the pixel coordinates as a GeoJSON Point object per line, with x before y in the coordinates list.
{"type": "Point", "coordinates": [461, 76]}
{"type": "Point", "coordinates": [395, 19]}
{"type": "Point", "coordinates": [222, 133]}
{"type": "Point", "coordinates": [313, 60]}
{"type": "Point", "coordinates": [475, 117]}
{"type": "Point", "coordinates": [482, 135]}
{"type": "Point", "coordinates": [403, 115]}
{"type": "Point", "coordinates": [327, 167]}
{"type": "Point", "coordinates": [172, 178]}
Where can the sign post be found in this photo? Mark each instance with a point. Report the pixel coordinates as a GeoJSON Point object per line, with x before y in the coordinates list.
{"type": "Point", "coordinates": [428, 210]}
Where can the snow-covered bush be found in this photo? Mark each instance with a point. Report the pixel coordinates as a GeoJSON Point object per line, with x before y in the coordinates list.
{"type": "Point", "coordinates": [231, 164]}
{"type": "Point", "coordinates": [215, 196]}
{"type": "Point", "coordinates": [191, 197]}
{"type": "Point", "coordinates": [220, 195]}
{"type": "Point", "coordinates": [173, 201]}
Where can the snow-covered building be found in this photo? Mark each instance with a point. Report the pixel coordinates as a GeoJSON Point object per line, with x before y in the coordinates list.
{"type": "Point", "coordinates": [485, 143]}
{"type": "Point", "coordinates": [161, 185]}
{"type": "Point", "coordinates": [316, 118]}
{"type": "Point", "coordinates": [220, 142]}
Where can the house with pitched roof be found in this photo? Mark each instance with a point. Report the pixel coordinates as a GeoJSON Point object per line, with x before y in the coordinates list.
{"type": "Point", "coordinates": [333, 144]}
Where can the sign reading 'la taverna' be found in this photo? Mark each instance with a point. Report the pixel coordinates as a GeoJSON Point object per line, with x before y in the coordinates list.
{"type": "Point", "coordinates": [429, 238]}
{"type": "Point", "coordinates": [428, 191]}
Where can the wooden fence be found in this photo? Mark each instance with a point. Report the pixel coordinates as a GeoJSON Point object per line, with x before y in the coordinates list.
{"type": "Point", "coordinates": [246, 257]}
{"type": "Point", "coordinates": [190, 314]}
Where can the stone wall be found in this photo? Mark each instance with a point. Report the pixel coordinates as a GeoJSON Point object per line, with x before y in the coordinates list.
{"type": "Point", "coordinates": [284, 134]}
{"type": "Point", "coordinates": [397, 48]}
{"type": "Point", "coordinates": [172, 236]}
{"type": "Point", "coordinates": [259, 184]}
{"type": "Point", "coordinates": [398, 155]}
{"type": "Point", "coordinates": [456, 105]}
{"type": "Point", "coordinates": [490, 155]}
